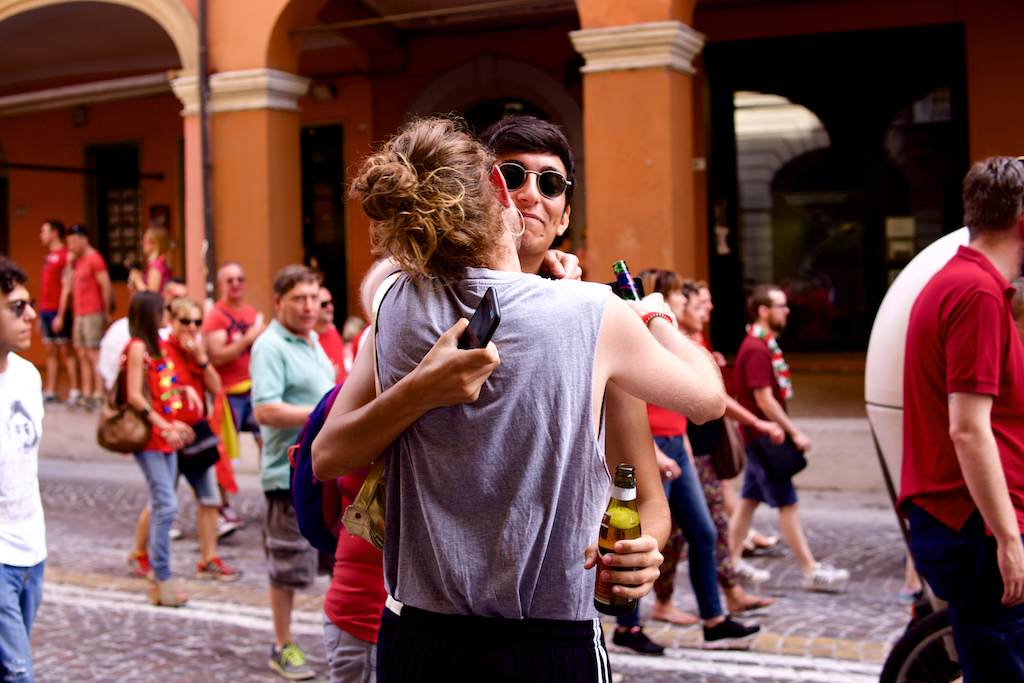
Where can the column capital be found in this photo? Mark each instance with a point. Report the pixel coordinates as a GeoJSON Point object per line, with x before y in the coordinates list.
{"type": "Point", "coordinates": [241, 90]}
{"type": "Point", "coordinates": [659, 44]}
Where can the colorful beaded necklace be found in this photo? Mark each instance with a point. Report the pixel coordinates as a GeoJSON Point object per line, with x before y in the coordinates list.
{"type": "Point", "coordinates": [778, 362]}
{"type": "Point", "coordinates": [167, 382]}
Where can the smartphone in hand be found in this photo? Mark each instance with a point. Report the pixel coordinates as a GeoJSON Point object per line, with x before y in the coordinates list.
{"type": "Point", "coordinates": [483, 323]}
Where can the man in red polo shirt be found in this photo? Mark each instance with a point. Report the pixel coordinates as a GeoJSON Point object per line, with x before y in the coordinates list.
{"type": "Point", "coordinates": [762, 383]}
{"type": "Point", "coordinates": [962, 484]}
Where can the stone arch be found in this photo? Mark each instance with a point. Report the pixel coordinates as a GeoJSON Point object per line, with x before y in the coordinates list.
{"type": "Point", "coordinates": [491, 77]}
{"type": "Point", "coordinates": [171, 15]}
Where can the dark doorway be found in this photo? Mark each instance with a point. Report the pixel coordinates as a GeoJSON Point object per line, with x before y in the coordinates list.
{"type": "Point", "coordinates": [835, 215]}
{"type": "Point", "coordinates": [323, 210]}
{"type": "Point", "coordinates": [115, 205]}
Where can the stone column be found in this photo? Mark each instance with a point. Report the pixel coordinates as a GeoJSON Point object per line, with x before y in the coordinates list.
{"type": "Point", "coordinates": [257, 190]}
{"type": "Point", "coordinates": [638, 128]}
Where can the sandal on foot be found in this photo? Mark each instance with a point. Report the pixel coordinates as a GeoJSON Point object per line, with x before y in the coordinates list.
{"type": "Point", "coordinates": [760, 603]}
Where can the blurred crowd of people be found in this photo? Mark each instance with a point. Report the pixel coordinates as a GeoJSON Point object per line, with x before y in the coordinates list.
{"type": "Point", "coordinates": [222, 367]}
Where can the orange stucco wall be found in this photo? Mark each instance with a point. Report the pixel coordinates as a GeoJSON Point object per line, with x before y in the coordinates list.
{"type": "Point", "coordinates": [266, 40]}
{"type": "Point", "coordinates": [48, 138]}
{"type": "Point", "coordinates": [639, 151]}
{"type": "Point", "coordinates": [608, 13]}
{"type": "Point", "coordinates": [995, 77]}
{"type": "Point", "coordinates": [257, 207]}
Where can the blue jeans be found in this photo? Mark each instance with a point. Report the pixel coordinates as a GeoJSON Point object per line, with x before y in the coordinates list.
{"type": "Point", "coordinates": [161, 471]}
{"type": "Point", "coordinates": [690, 511]}
{"type": "Point", "coordinates": [205, 486]}
{"type": "Point", "coordinates": [961, 568]}
{"type": "Point", "coordinates": [21, 590]}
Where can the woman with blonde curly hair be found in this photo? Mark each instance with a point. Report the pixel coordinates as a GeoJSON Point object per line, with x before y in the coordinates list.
{"type": "Point", "coordinates": [496, 473]}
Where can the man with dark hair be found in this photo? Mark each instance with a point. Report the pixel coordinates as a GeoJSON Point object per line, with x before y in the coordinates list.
{"type": "Point", "coordinates": [22, 528]}
{"type": "Point", "coordinates": [534, 157]}
{"type": "Point", "coordinates": [962, 486]}
{"type": "Point", "coordinates": [290, 374]}
{"type": "Point", "coordinates": [761, 380]}
{"type": "Point", "coordinates": [91, 295]}
{"type": "Point", "coordinates": [57, 344]}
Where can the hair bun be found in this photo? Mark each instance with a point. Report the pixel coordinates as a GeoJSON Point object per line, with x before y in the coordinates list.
{"type": "Point", "coordinates": [388, 187]}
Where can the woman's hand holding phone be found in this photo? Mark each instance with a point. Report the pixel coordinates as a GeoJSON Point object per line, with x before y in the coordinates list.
{"type": "Point", "coordinates": [448, 375]}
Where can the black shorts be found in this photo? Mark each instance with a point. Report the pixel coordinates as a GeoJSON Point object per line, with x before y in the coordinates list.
{"type": "Point", "coordinates": [418, 645]}
{"type": "Point", "coordinates": [46, 319]}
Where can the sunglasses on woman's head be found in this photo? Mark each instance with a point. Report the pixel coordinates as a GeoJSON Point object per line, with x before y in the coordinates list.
{"type": "Point", "coordinates": [551, 184]}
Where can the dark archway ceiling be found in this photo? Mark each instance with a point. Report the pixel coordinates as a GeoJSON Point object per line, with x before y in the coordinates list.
{"type": "Point", "coordinates": [78, 42]}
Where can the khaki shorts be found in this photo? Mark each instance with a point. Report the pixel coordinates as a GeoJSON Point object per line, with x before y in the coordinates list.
{"type": "Point", "coordinates": [88, 331]}
{"type": "Point", "coordinates": [291, 560]}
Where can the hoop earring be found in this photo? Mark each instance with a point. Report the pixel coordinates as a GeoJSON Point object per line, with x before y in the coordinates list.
{"type": "Point", "coordinates": [523, 219]}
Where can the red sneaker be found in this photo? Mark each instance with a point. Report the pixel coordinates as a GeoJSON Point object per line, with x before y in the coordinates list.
{"type": "Point", "coordinates": [139, 563]}
{"type": "Point", "coordinates": [215, 569]}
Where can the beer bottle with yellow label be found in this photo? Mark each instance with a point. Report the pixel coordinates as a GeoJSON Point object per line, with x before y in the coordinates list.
{"type": "Point", "coordinates": [621, 522]}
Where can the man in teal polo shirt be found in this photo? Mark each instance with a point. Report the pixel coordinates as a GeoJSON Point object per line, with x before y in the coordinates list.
{"type": "Point", "coordinates": [290, 374]}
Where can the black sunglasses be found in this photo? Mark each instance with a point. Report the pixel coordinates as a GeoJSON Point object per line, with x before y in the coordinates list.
{"type": "Point", "coordinates": [551, 184]}
{"type": "Point", "coordinates": [19, 305]}
{"type": "Point", "coordinates": [325, 304]}
{"type": "Point", "coordinates": [189, 321]}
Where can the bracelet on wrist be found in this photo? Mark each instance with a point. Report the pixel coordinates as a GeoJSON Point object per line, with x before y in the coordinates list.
{"type": "Point", "coordinates": [648, 317]}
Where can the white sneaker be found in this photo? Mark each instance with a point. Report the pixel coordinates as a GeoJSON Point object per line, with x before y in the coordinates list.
{"type": "Point", "coordinates": [825, 577]}
{"type": "Point", "coordinates": [226, 526]}
{"type": "Point", "coordinates": [73, 396]}
{"type": "Point", "coordinates": [174, 533]}
{"type": "Point", "coordinates": [751, 574]}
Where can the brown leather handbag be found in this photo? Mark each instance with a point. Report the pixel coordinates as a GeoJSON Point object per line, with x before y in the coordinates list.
{"type": "Point", "coordinates": [730, 454]}
{"type": "Point", "coordinates": [121, 428]}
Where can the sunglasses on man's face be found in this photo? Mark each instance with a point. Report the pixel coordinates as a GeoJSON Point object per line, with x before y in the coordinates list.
{"type": "Point", "coordinates": [325, 304]}
{"type": "Point", "coordinates": [198, 322]}
{"type": "Point", "coordinates": [19, 306]}
{"type": "Point", "coordinates": [551, 184]}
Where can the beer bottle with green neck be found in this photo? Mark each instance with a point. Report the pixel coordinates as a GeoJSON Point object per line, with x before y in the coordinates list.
{"type": "Point", "coordinates": [627, 288]}
{"type": "Point", "coordinates": [621, 522]}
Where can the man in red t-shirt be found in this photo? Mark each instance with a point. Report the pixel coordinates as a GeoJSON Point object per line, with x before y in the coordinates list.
{"type": "Point", "coordinates": [330, 337]}
{"type": "Point", "coordinates": [229, 329]}
{"type": "Point", "coordinates": [91, 296]}
{"type": "Point", "coordinates": [962, 484]}
{"type": "Point", "coordinates": [57, 345]}
{"type": "Point", "coordinates": [762, 384]}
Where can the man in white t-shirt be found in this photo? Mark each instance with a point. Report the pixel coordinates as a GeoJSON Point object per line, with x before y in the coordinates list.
{"type": "Point", "coordinates": [22, 530]}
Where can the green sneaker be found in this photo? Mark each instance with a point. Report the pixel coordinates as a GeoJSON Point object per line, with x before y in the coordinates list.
{"type": "Point", "coordinates": [290, 662]}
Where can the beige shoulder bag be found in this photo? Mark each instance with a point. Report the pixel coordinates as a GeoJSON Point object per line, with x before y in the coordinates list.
{"type": "Point", "coordinates": [365, 516]}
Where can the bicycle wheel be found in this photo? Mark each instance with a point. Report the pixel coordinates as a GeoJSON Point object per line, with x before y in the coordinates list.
{"type": "Point", "coordinates": [922, 655]}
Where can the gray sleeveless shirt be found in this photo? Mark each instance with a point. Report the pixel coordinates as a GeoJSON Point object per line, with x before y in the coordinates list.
{"type": "Point", "coordinates": [491, 505]}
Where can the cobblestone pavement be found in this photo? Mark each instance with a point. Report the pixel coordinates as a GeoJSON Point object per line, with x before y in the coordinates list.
{"type": "Point", "coordinates": [96, 624]}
